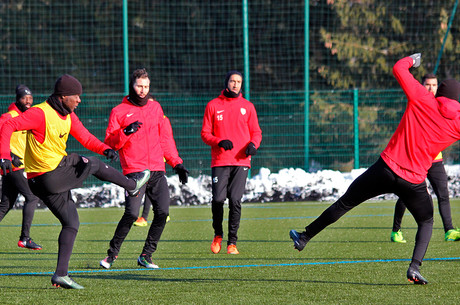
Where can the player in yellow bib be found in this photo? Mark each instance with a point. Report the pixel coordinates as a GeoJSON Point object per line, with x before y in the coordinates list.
{"type": "Point", "coordinates": [16, 183]}
{"type": "Point", "coordinates": [52, 173]}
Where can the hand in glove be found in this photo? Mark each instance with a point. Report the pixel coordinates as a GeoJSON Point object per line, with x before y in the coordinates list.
{"type": "Point", "coordinates": [6, 167]}
{"type": "Point", "coordinates": [16, 160]}
{"type": "Point", "coordinates": [226, 144]}
{"type": "Point", "coordinates": [132, 128]}
{"type": "Point", "coordinates": [182, 172]}
{"type": "Point", "coordinates": [111, 155]}
{"type": "Point", "coordinates": [416, 58]}
{"type": "Point", "coordinates": [251, 150]}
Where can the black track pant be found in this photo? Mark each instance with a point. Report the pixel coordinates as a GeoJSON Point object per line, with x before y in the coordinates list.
{"type": "Point", "coordinates": [147, 207]}
{"type": "Point", "coordinates": [54, 189]}
{"type": "Point", "coordinates": [228, 182]}
{"type": "Point", "coordinates": [156, 189]}
{"type": "Point", "coordinates": [438, 179]}
{"type": "Point", "coordinates": [380, 179]}
{"type": "Point", "coordinates": [14, 184]}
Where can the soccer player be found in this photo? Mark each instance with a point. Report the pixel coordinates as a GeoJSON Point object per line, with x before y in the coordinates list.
{"type": "Point", "coordinates": [428, 126]}
{"type": "Point", "coordinates": [16, 183]}
{"type": "Point", "coordinates": [438, 179]}
{"type": "Point", "coordinates": [231, 128]}
{"type": "Point", "coordinates": [140, 131]}
{"type": "Point", "coordinates": [52, 173]}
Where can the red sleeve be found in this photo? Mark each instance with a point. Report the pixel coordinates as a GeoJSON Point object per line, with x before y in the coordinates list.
{"type": "Point", "coordinates": [206, 131]}
{"type": "Point", "coordinates": [5, 117]}
{"type": "Point", "coordinates": [87, 139]}
{"type": "Point", "coordinates": [167, 143]}
{"type": "Point", "coordinates": [254, 128]}
{"type": "Point", "coordinates": [413, 89]}
{"type": "Point", "coordinates": [33, 119]}
{"type": "Point", "coordinates": [114, 135]}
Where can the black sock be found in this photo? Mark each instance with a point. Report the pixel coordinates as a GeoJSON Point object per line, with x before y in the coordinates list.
{"type": "Point", "coordinates": [415, 265]}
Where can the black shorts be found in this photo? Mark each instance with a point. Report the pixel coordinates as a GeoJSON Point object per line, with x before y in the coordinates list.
{"type": "Point", "coordinates": [71, 172]}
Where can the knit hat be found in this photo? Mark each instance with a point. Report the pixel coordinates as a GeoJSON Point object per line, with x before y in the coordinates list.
{"type": "Point", "coordinates": [67, 85]}
{"type": "Point", "coordinates": [21, 91]}
{"type": "Point", "coordinates": [449, 88]}
{"type": "Point", "coordinates": [229, 74]}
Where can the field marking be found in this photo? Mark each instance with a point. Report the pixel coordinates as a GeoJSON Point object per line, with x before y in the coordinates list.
{"type": "Point", "coordinates": [235, 266]}
{"type": "Point", "coordinates": [207, 220]}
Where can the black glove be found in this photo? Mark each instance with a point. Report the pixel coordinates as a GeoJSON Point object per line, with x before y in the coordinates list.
{"type": "Point", "coordinates": [111, 155]}
{"type": "Point", "coordinates": [182, 172]}
{"type": "Point", "coordinates": [417, 58]}
{"type": "Point", "coordinates": [6, 167]}
{"type": "Point", "coordinates": [16, 160]}
{"type": "Point", "coordinates": [132, 128]}
{"type": "Point", "coordinates": [226, 144]}
{"type": "Point", "coordinates": [251, 150]}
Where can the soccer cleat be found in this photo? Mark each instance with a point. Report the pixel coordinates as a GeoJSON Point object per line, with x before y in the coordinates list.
{"type": "Point", "coordinates": [216, 244]}
{"type": "Point", "coordinates": [29, 244]}
{"type": "Point", "coordinates": [231, 249]}
{"type": "Point", "coordinates": [108, 261]}
{"type": "Point", "coordinates": [415, 277]}
{"type": "Point", "coordinates": [397, 237]}
{"type": "Point", "coordinates": [65, 282]}
{"type": "Point", "coordinates": [452, 235]}
{"type": "Point", "coordinates": [140, 179]}
{"type": "Point", "coordinates": [140, 222]}
{"type": "Point", "coordinates": [299, 239]}
{"type": "Point", "coordinates": [146, 261]}
{"type": "Point", "coordinates": [168, 219]}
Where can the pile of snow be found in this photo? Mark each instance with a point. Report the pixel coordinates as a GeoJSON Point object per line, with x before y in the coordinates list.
{"type": "Point", "coordinates": [291, 184]}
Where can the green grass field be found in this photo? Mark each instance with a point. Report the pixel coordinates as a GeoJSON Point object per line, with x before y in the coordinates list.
{"type": "Point", "coordinates": [351, 262]}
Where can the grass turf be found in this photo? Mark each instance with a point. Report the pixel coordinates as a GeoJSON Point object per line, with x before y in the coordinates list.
{"type": "Point", "coordinates": [350, 262]}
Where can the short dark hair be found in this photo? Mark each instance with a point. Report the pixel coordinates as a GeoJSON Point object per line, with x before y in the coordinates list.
{"type": "Point", "coordinates": [138, 73]}
{"type": "Point", "coordinates": [428, 76]}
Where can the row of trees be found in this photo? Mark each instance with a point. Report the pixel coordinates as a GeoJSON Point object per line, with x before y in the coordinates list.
{"type": "Point", "coordinates": [188, 45]}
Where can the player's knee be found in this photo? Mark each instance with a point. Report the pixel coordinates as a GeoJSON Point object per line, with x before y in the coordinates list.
{"type": "Point", "coordinates": [162, 212]}
{"type": "Point", "coordinates": [218, 202]}
{"type": "Point", "coordinates": [131, 216]}
{"type": "Point", "coordinates": [95, 164]}
{"type": "Point", "coordinates": [425, 221]}
{"type": "Point", "coordinates": [72, 226]}
{"type": "Point", "coordinates": [235, 200]}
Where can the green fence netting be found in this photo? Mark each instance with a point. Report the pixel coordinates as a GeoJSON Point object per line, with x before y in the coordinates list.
{"type": "Point", "coordinates": [354, 102]}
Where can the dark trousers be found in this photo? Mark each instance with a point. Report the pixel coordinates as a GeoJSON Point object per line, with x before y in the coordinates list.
{"type": "Point", "coordinates": [147, 207]}
{"type": "Point", "coordinates": [157, 191]}
{"type": "Point", "coordinates": [438, 179]}
{"type": "Point", "coordinates": [228, 182]}
{"type": "Point", "coordinates": [380, 179]}
{"type": "Point", "coordinates": [14, 184]}
{"type": "Point", "coordinates": [53, 188]}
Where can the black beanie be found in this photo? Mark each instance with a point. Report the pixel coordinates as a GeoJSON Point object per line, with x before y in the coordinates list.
{"type": "Point", "coordinates": [67, 85]}
{"type": "Point", "coordinates": [21, 91]}
{"type": "Point", "coordinates": [449, 88]}
{"type": "Point", "coordinates": [229, 74]}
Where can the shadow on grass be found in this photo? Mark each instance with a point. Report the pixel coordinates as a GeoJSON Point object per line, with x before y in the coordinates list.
{"type": "Point", "coordinates": [287, 240]}
{"type": "Point", "coordinates": [149, 277]}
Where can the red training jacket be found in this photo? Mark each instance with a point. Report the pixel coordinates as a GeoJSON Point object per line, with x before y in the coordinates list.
{"type": "Point", "coordinates": [428, 126]}
{"type": "Point", "coordinates": [233, 119]}
{"type": "Point", "coordinates": [145, 148]}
